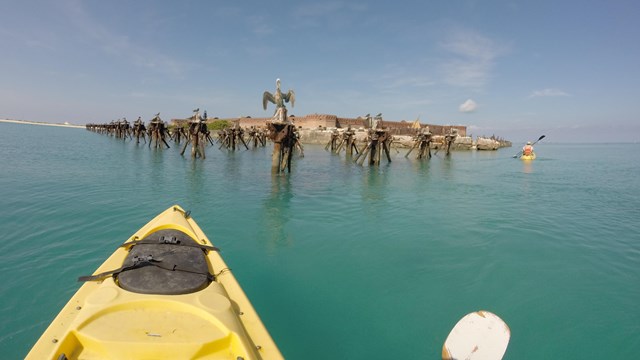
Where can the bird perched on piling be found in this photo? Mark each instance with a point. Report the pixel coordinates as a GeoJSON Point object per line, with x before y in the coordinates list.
{"type": "Point", "coordinates": [279, 99]}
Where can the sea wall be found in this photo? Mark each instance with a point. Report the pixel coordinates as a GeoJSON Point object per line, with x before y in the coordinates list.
{"type": "Point", "coordinates": [487, 144]}
{"type": "Point", "coordinates": [323, 136]}
{"type": "Point", "coordinates": [65, 124]}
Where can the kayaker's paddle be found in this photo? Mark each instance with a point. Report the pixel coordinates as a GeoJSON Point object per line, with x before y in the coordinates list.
{"type": "Point", "coordinates": [520, 152]}
{"type": "Point", "coordinates": [480, 335]}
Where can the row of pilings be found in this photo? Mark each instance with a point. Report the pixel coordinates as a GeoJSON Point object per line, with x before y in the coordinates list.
{"type": "Point", "coordinates": [195, 132]}
{"type": "Point", "coordinates": [379, 144]}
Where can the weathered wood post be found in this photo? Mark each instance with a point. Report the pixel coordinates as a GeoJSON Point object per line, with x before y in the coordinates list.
{"type": "Point", "coordinates": [139, 129]}
{"type": "Point", "coordinates": [197, 135]}
{"type": "Point", "coordinates": [122, 129]}
{"type": "Point", "coordinates": [387, 139]}
{"type": "Point", "coordinates": [374, 157]}
{"type": "Point", "coordinates": [179, 132]}
{"type": "Point", "coordinates": [333, 142]}
{"type": "Point", "coordinates": [257, 137]}
{"type": "Point", "coordinates": [194, 132]}
{"type": "Point", "coordinates": [239, 136]}
{"type": "Point", "coordinates": [423, 143]}
{"type": "Point", "coordinates": [296, 141]}
{"type": "Point", "coordinates": [348, 141]}
{"type": "Point", "coordinates": [281, 130]}
{"type": "Point", "coordinates": [450, 138]}
{"type": "Point", "coordinates": [232, 138]}
{"type": "Point", "coordinates": [157, 132]}
{"type": "Point", "coordinates": [378, 140]}
{"type": "Point", "coordinates": [284, 140]}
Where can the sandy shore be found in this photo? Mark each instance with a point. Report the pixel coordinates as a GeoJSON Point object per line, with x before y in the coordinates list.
{"type": "Point", "coordinates": [42, 123]}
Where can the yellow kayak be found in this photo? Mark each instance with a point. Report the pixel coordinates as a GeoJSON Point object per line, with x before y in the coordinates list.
{"type": "Point", "coordinates": [166, 293]}
{"type": "Point", "coordinates": [528, 157]}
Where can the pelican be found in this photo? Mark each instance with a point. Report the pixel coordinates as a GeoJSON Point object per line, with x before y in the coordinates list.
{"type": "Point", "coordinates": [278, 98]}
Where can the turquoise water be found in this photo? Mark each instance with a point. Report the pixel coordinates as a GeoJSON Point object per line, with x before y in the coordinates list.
{"type": "Point", "coordinates": [343, 261]}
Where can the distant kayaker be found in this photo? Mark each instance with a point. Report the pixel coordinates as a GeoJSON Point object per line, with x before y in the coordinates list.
{"type": "Point", "coordinates": [527, 149]}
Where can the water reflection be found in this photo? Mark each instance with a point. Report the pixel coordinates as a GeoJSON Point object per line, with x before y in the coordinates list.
{"type": "Point", "coordinates": [232, 165]}
{"type": "Point", "coordinates": [421, 167]}
{"type": "Point", "coordinates": [196, 177]}
{"type": "Point", "coordinates": [447, 165]}
{"type": "Point", "coordinates": [277, 213]}
{"type": "Point", "coordinates": [374, 190]}
{"type": "Point", "coordinates": [158, 172]}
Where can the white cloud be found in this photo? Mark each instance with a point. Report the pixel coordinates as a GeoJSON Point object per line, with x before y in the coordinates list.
{"type": "Point", "coordinates": [473, 58]}
{"type": "Point", "coordinates": [260, 25]}
{"type": "Point", "coordinates": [395, 78]}
{"type": "Point", "coordinates": [471, 45]}
{"type": "Point", "coordinates": [468, 106]}
{"type": "Point", "coordinates": [120, 46]}
{"type": "Point", "coordinates": [548, 92]}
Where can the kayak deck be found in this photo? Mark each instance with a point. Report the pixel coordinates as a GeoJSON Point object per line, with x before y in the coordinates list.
{"type": "Point", "coordinates": [117, 324]}
{"type": "Point", "coordinates": [103, 320]}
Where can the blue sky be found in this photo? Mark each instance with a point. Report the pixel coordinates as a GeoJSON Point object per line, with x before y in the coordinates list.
{"type": "Point", "coordinates": [517, 69]}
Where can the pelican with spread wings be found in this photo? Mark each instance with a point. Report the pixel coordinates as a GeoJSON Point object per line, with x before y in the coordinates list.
{"type": "Point", "coordinates": [279, 99]}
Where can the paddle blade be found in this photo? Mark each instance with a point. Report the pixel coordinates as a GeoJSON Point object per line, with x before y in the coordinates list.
{"type": "Point", "coordinates": [480, 335]}
{"type": "Point", "coordinates": [542, 137]}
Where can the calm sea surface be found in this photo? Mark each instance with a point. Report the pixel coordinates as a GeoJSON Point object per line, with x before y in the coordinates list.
{"type": "Point", "coordinates": [343, 261]}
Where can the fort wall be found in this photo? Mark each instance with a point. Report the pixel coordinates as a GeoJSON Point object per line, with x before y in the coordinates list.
{"type": "Point", "coordinates": [328, 121]}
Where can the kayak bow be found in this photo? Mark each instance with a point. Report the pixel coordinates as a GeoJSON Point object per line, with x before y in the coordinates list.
{"type": "Point", "coordinates": [166, 293]}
